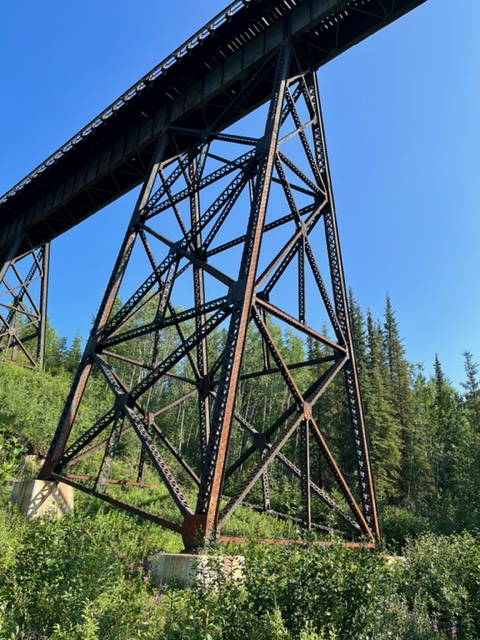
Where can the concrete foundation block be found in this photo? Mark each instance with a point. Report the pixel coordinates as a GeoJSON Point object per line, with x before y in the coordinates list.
{"type": "Point", "coordinates": [189, 569]}
{"type": "Point", "coordinates": [37, 498]}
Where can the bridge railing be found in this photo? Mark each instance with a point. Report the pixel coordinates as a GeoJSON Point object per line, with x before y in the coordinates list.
{"type": "Point", "coordinates": [165, 65]}
{"type": "Point", "coordinates": [161, 68]}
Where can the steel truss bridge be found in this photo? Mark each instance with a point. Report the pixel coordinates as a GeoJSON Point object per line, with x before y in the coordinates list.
{"type": "Point", "coordinates": [233, 244]}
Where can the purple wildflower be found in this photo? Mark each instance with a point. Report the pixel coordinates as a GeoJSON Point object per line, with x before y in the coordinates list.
{"type": "Point", "coordinates": [146, 579]}
{"type": "Point", "coordinates": [158, 596]}
{"type": "Point", "coordinates": [454, 631]}
{"type": "Point", "coordinates": [435, 627]}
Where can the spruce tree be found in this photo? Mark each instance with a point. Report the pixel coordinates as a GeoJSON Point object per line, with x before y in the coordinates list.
{"type": "Point", "coordinates": [383, 427]}
{"type": "Point", "coordinates": [357, 322]}
{"type": "Point", "coordinates": [472, 391]}
{"type": "Point", "coordinates": [423, 461]}
{"type": "Point", "coordinates": [454, 454]}
{"type": "Point", "coordinates": [399, 390]}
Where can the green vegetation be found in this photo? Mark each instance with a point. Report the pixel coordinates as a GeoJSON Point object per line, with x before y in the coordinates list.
{"type": "Point", "coordinates": [87, 575]}
{"type": "Point", "coordinates": [85, 578]}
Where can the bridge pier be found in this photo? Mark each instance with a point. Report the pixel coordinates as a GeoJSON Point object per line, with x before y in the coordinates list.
{"type": "Point", "coordinates": [178, 341]}
{"type": "Point", "coordinates": [37, 498]}
{"type": "Point", "coordinates": [189, 569]}
{"type": "Point", "coordinates": [23, 305]}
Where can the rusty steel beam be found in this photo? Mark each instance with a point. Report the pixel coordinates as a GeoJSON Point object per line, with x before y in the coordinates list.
{"type": "Point", "coordinates": [230, 231]}
{"type": "Point", "coordinates": [126, 483]}
{"type": "Point", "coordinates": [130, 508]}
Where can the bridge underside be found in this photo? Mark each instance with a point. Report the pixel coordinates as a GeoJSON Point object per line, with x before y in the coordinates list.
{"type": "Point", "coordinates": [191, 89]}
{"type": "Point", "coordinates": [224, 336]}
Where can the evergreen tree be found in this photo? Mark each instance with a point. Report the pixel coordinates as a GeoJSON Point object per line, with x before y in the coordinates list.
{"type": "Point", "coordinates": [454, 454]}
{"type": "Point", "coordinates": [73, 354]}
{"type": "Point", "coordinates": [423, 459]}
{"type": "Point", "coordinates": [399, 390]}
{"type": "Point", "coordinates": [472, 390]}
{"type": "Point", "coordinates": [357, 322]}
{"type": "Point", "coordinates": [55, 350]}
{"type": "Point", "coordinates": [383, 427]}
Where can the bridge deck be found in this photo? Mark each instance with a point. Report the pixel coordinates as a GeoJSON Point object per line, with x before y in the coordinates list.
{"type": "Point", "coordinates": [190, 88]}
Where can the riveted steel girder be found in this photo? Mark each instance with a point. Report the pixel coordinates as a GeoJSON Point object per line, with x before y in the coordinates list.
{"type": "Point", "coordinates": [224, 330]}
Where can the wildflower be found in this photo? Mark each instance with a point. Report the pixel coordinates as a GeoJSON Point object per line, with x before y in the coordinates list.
{"type": "Point", "coordinates": [454, 631]}
{"type": "Point", "coordinates": [158, 596]}
{"type": "Point", "coordinates": [435, 627]}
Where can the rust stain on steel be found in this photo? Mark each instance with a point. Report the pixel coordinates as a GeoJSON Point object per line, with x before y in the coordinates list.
{"type": "Point", "coordinates": [205, 356]}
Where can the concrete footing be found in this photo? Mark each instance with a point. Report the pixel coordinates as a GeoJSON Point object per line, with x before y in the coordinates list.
{"type": "Point", "coordinates": [37, 498]}
{"type": "Point", "coordinates": [188, 569]}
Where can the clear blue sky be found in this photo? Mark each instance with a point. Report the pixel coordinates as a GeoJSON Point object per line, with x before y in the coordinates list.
{"type": "Point", "coordinates": [402, 117]}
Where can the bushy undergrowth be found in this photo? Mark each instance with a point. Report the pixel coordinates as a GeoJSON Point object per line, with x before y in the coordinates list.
{"type": "Point", "coordinates": [85, 577]}
{"type": "Point", "coordinates": [79, 577]}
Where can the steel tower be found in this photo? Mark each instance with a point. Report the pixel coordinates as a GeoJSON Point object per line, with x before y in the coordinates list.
{"type": "Point", "coordinates": [231, 257]}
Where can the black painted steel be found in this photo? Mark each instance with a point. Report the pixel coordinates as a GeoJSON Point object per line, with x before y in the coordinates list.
{"type": "Point", "coordinates": [191, 88]}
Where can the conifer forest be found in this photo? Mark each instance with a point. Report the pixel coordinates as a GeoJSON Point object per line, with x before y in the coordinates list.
{"type": "Point", "coordinates": [87, 576]}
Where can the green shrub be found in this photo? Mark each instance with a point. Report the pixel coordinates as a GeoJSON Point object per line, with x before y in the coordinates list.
{"type": "Point", "coordinates": [400, 524]}
{"type": "Point", "coordinates": [79, 577]}
{"type": "Point", "coordinates": [83, 578]}
{"type": "Point", "coordinates": [444, 573]}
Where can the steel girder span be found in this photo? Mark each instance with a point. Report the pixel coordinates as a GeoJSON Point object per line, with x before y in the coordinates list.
{"type": "Point", "coordinates": [222, 354]}
{"type": "Point", "coordinates": [190, 89]}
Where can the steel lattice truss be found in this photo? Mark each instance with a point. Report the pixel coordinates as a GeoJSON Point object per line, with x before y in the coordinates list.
{"type": "Point", "coordinates": [23, 301]}
{"type": "Point", "coordinates": [222, 269]}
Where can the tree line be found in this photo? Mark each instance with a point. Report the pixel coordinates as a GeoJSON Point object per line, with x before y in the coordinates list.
{"type": "Point", "coordinates": [424, 433]}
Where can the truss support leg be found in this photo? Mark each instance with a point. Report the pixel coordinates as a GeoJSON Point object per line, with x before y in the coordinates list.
{"type": "Point", "coordinates": [366, 486]}
{"type": "Point", "coordinates": [198, 291]}
{"type": "Point", "coordinates": [223, 410]}
{"type": "Point", "coordinates": [23, 305]}
{"type": "Point", "coordinates": [77, 390]}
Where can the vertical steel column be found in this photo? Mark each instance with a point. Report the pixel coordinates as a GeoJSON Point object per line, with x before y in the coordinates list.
{"type": "Point", "coordinates": [242, 294]}
{"type": "Point", "coordinates": [305, 471]}
{"type": "Point", "coordinates": [366, 486]}
{"type": "Point", "coordinates": [195, 171]}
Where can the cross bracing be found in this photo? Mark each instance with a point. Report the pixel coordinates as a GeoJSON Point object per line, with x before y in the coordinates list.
{"type": "Point", "coordinates": [233, 244]}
